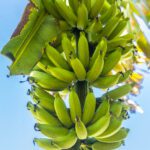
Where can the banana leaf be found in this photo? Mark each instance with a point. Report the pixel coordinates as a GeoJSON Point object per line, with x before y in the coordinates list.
{"type": "Point", "coordinates": [142, 9]}
{"type": "Point", "coordinates": [144, 45]}
{"type": "Point", "coordinates": [26, 45]}
{"type": "Point", "coordinates": [140, 17]}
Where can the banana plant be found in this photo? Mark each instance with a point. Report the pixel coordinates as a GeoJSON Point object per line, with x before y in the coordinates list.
{"type": "Point", "coordinates": [68, 48]}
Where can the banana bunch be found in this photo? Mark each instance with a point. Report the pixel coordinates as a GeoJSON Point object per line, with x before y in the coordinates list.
{"type": "Point", "coordinates": [99, 120]}
{"type": "Point", "coordinates": [93, 48]}
{"type": "Point", "coordinates": [57, 71]}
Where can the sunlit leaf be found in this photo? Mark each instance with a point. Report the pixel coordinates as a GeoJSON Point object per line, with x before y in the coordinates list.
{"type": "Point", "coordinates": [26, 46]}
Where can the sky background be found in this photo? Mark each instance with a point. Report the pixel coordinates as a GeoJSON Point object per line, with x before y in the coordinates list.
{"type": "Point", "coordinates": [16, 123]}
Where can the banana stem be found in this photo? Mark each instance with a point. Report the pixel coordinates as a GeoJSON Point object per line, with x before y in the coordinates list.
{"type": "Point", "coordinates": [77, 35]}
{"type": "Point", "coordinates": [82, 89]}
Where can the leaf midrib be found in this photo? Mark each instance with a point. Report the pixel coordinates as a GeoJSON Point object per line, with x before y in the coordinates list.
{"type": "Point", "coordinates": [30, 35]}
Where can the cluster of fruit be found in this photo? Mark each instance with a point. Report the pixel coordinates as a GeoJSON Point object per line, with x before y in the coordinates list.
{"type": "Point", "coordinates": [97, 125]}
{"type": "Point", "coordinates": [56, 71]}
{"type": "Point", "coordinates": [93, 49]}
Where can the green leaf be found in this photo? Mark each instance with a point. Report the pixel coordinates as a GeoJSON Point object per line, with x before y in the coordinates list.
{"type": "Point", "coordinates": [25, 48]}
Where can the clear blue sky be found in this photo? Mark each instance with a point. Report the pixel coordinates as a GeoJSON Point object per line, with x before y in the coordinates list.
{"type": "Point", "coordinates": [16, 123]}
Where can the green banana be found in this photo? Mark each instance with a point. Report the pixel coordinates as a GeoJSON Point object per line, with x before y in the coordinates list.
{"type": "Point", "coordinates": [46, 144]}
{"type": "Point", "coordinates": [125, 76]}
{"type": "Point", "coordinates": [99, 126]}
{"type": "Point", "coordinates": [110, 13]}
{"type": "Point", "coordinates": [31, 108]}
{"type": "Point", "coordinates": [78, 68]}
{"type": "Point", "coordinates": [75, 106]}
{"type": "Point", "coordinates": [118, 137]}
{"type": "Point", "coordinates": [116, 108]}
{"type": "Point", "coordinates": [113, 128]}
{"type": "Point", "coordinates": [96, 69]}
{"type": "Point", "coordinates": [59, 73]}
{"type": "Point", "coordinates": [119, 92]}
{"type": "Point", "coordinates": [47, 81]}
{"type": "Point", "coordinates": [101, 110]}
{"type": "Point", "coordinates": [66, 12]}
{"type": "Point", "coordinates": [42, 115]}
{"type": "Point", "coordinates": [43, 98]}
{"type": "Point", "coordinates": [106, 146]}
{"type": "Point", "coordinates": [105, 7]}
{"type": "Point", "coordinates": [66, 141]}
{"type": "Point", "coordinates": [87, 4]}
{"type": "Point", "coordinates": [68, 48]}
{"type": "Point", "coordinates": [106, 81]}
{"type": "Point", "coordinates": [101, 48]}
{"type": "Point", "coordinates": [62, 111]}
{"type": "Point", "coordinates": [94, 38]}
{"type": "Point", "coordinates": [83, 50]}
{"type": "Point", "coordinates": [120, 41]}
{"type": "Point", "coordinates": [95, 26]}
{"type": "Point", "coordinates": [111, 61]}
{"type": "Point", "coordinates": [110, 26]}
{"type": "Point", "coordinates": [51, 131]}
{"type": "Point", "coordinates": [96, 8]}
{"type": "Point", "coordinates": [74, 4]}
{"type": "Point", "coordinates": [119, 28]}
{"type": "Point", "coordinates": [56, 58]}
{"type": "Point", "coordinates": [80, 129]}
{"type": "Point", "coordinates": [82, 19]}
{"type": "Point", "coordinates": [89, 108]}
{"type": "Point", "coordinates": [51, 8]}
